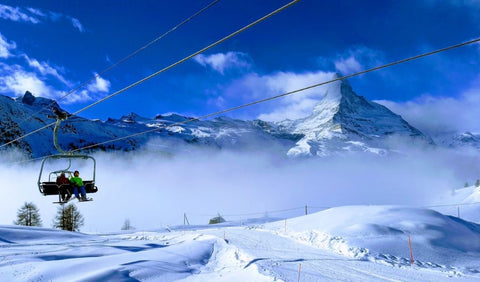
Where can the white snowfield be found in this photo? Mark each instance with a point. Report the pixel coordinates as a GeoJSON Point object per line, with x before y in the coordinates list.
{"type": "Point", "coordinates": [351, 243]}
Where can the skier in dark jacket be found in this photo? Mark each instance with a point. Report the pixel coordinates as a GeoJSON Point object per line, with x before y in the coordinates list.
{"type": "Point", "coordinates": [63, 185]}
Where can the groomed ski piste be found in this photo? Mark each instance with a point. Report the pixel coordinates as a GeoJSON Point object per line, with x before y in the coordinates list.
{"type": "Point", "coordinates": [348, 243]}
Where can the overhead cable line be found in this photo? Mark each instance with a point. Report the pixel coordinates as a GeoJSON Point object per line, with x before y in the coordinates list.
{"type": "Point", "coordinates": [109, 69]}
{"type": "Point", "coordinates": [142, 48]}
{"type": "Point", "coordinates": [285, 94]}
{"type": "Point", "coordinates": [166, 68]}
{"type": "Point", "coordinates": [189, 57]}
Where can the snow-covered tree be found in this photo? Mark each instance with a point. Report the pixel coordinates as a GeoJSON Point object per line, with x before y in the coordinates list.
{"type": "Point", "coordinates": [28, 215]}
{"type": "Point", "coordinates": [127, 225]}
{"type": "Point", "coordinates": [68, 218]}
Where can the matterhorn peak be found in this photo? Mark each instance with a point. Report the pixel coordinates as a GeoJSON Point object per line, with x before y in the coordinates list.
{"type": "Point", "coordinates": [344, 116]}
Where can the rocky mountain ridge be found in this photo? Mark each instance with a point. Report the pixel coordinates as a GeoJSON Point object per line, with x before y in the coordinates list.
{"type": "Point", "coordinates": [341, 122]}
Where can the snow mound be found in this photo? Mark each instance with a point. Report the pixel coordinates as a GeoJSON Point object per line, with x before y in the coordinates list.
{"type": "Point", "coordinates": [20, 234]}
{"type": "Point", "coordinates": [381, 234]}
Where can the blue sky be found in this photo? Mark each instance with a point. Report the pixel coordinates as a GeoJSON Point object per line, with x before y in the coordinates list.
{"type": "Point", "coordinates": [51, 47]}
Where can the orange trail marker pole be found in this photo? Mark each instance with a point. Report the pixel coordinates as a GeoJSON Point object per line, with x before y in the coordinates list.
{"type": "Point", "coordinates": [411, 253]}
{"type": "Point", "coordinates": [299, 270]}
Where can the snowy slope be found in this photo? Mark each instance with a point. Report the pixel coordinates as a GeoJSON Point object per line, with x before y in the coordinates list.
{"type": "Point", "coordinates": [463, 203]}
{"type": "Point", "coordinates": [355, 243]}
{"type": "Point", "coordinates": [380, 233]}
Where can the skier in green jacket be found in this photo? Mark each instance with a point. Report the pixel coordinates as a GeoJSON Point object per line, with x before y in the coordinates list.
{"type": "Point", "coordinates": [77, 182]}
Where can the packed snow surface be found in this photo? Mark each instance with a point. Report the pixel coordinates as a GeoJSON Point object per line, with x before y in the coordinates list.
{"type": "Point", "coordinates": [351, 243]}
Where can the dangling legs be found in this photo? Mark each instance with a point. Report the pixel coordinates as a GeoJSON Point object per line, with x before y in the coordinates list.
{"type": "Point", "coordinates": [75, 191]}
{"type": "Point", "coordinates": [84, 194]}
{"type": "Point", "coordinates": [82, 190]}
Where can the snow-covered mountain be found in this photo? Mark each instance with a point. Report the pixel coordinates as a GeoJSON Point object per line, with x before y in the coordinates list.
{"type": "Point", "coordinates": [458, 140]}
{"type": "Point", "coordinates": [28, 113]}
{"type": "Point", "coordinates": [344, 121]}
{"type": "Point", "coordinates": [341, 122]}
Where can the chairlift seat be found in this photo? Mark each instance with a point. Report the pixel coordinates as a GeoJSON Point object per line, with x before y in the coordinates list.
{"type": "Point", "coordinates": [52, 188]}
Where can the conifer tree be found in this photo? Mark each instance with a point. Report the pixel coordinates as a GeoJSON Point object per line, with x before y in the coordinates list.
{"type": "Point", "coordinates": [68, 218]}
{"type": "Point", "coordinates": [28, 215]}
{"type": "Point", "coordinates": [127, 225]}
{"type": "Point", "coordinates": [477, 183]}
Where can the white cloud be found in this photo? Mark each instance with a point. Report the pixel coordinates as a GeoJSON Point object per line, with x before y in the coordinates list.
{"type": "Point", "coordinates": [348, 66]}
{"type": "Point", "coordinates": [77, 24]}
{"type": "Point", "coordinates": [239, 183]}
{"type": "Point", "coordinates": [219, 102]}
{"type": "Point", "coordinates": [13, 79]}
{"type": "Point", "coordinates": [357, 59]}
{"type": "Point", "coordinates": [442, 114]}
{"type": "Point", "coordinates": [223, 61]}
{"type": "Point", "coordinates": [254, 87]}
{"type": "Point", "coordinates": [45, 69]}
{"type": "Point", "coordinates": [36, 12]}
{"type": "Point", "coordinates": [5, 47]}
{"type": "Point", "coordinates": [36, 16]}
{"type": "Point", "coordinates": [16, 79]}
{"type": "Point", "coordinates": [36, 76]}
{"type": "Point", "coordinates": [16, 14]}
{"type": "Point", "coordinates": [300, 104]}
{"type": "Point", "coordinates": [99, 85]}
{"type": "Point", "coordinates": [79, 96]}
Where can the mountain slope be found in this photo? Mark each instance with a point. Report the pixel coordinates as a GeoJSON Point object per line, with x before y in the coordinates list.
{"type": "Point", "coordinates": [26, 114]}
{"type": "Point", "coordinates": [341, 122]}
{"type": "Point", "coordinates": [458, 140]}
{"type": "Point", "coordinates": [344, 121]}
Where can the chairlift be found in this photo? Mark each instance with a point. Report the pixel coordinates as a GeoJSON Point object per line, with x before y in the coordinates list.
{"type": "Point", "coordinates": [47, 185]}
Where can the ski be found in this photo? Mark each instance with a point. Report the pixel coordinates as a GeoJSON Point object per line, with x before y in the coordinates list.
{"type": "Point", "coordinates": [73, 198]}
{"type": "Point", "coordinates": [86, 200]}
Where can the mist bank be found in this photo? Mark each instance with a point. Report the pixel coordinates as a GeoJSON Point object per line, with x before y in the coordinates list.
{"type": "Point", "coordinates": [153, 189]}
